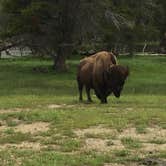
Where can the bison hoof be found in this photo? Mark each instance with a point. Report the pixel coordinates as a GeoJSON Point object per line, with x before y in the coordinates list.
{"type": "Point", "coordinates": [103, 101]}
{"type": "Point", "coordinates": [89, 101]}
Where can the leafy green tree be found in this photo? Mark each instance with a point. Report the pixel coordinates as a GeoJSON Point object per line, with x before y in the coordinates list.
{"type": "Point", "coordinates": [140, 26]}
{"type": "Point", "coordinates": [160, 23]}
{"type": "Point", "coordinates": [51, 27]}
{"type": "Point", "coordinates": [55, 27]}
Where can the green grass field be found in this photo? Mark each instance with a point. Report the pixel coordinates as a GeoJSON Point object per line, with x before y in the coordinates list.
{"type": "Point", "coordinates": [43, 123]}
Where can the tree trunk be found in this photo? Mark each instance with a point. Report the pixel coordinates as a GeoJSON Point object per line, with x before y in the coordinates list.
{"type": "Point", "coordinates": [131, 51]}
{"type": "Point", "coordinates": [60, 60]}
{"type": "Point", "coordinates": [145, 45]}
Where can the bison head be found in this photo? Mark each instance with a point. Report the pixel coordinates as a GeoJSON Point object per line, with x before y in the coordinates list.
{"type": "Point", "coordinates": [115, 78]}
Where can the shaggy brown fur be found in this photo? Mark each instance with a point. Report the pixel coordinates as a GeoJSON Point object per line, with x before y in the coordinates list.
{"type": "Point", "coordinates": [93, 72]}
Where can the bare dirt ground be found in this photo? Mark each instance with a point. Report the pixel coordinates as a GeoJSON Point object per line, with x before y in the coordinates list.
{"type": "Point", "coordinates": [24, 145]}
{"type": "Point", "coordinates": [54, 106]}
{"type": "Point", "coordinates": [113, 164]}
{"type": "Point", "coordinates": [26, 128]}
{"type": "Point", "coordinates": [95, 130]}
{"type": "Point", "coordinates": [32, 128]}
{"type": "Point", "coordinates": [4, 111]}
{"type": "Point", "coordinates": [101, 144]}
{"type": "Point", "coordinates": [151, 133]}
{"type": "Point", "coordinates": [96, 138]}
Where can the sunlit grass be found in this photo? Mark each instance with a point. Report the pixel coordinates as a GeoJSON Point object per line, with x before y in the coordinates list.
{"type": "Point", "coordinates": [26, 96]}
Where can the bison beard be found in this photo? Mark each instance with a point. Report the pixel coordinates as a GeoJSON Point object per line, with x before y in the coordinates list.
{"type": "Point", "coordinates": [101, 73]}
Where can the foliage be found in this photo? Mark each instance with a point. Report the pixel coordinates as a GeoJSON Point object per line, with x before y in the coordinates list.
{"type": "Point", "coordinates": [55, 28]}
{"type": "Point", "coordinates": [51, 27]}
{"type": "Point", "coordinates": [140, 27]}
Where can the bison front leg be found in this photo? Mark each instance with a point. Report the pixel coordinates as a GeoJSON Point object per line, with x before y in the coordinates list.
{"type": "Point", "coordinates": [88, 94]}
{"type": "Point", "coordinates": [104, 100]}
{"type": "Point", "coordinates": [98, 94]}
{"type": "Point", "coordinates": [101, 96]}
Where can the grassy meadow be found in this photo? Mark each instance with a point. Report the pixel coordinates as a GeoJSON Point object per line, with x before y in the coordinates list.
{"type": "Point", "coordinates": [43, 123]}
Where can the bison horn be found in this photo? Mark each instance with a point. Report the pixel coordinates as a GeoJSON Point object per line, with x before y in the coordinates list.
{"type": "Point", "coordinates": [112, 65]}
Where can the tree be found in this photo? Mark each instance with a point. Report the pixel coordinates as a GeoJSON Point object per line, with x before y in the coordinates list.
{"type": "Point", "coordinates": [54, 26]}
{"type": "Point", "coordinates": [160, 23]}
{"type": "Point", "coordinates": [139, 28]}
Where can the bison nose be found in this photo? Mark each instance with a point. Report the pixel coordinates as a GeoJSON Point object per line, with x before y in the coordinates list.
{"type": "Point", "coordinates": [118, 95]}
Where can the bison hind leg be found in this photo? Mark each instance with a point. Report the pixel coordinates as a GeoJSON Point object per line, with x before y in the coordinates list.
{"type": "Point", "coordinates": [80, 88]}
{"type": "Point", "coordinates": [104, 100]}
{"type": "Point", "coordinates": [88, 94]}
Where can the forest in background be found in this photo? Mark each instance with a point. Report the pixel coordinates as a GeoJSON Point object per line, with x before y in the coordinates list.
{"type": "Point", "coordinates": [60, 28]}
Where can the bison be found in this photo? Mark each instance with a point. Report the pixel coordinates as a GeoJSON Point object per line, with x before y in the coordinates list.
{"type": "Point", "coordinates": [101, 73]}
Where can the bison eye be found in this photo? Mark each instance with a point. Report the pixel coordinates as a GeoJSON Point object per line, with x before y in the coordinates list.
{"type": "Point", "coordinates": [119, 88]}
